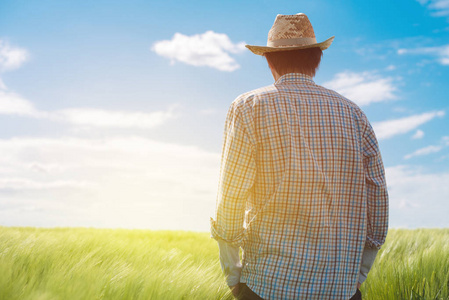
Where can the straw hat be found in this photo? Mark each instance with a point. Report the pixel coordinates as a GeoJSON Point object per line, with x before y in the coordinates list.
{"type": "Point", "coordinates": [290, 32]}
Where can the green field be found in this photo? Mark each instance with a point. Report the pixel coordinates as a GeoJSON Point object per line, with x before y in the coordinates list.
{"type": "Point", "coordinates": [86, 263]}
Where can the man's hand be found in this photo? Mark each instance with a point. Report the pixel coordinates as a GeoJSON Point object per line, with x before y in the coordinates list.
{"type": "Point", "coordinates": [359, 285]}
{"type": "Point", "coordinates": [235, 290]}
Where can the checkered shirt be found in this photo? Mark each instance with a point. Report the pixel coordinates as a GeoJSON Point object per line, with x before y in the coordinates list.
{"type": "Point", "coordinates": [302, 190]}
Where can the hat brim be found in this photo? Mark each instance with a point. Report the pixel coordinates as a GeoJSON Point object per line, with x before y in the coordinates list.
{"type": "Point", "coordinates": [260, 50]}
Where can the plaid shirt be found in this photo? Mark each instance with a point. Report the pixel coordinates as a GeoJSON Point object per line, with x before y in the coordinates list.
{"type": "Point", "coordinates": [302, 190]}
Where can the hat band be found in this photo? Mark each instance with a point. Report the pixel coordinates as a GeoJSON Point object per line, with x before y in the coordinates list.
{"type": "Point", "coordinates": [292, 42]}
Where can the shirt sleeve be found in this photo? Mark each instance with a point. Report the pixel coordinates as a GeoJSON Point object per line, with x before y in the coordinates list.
{"type": "Point", "coordinates": [237, 174]}
{"type": "Point", "coordinates": [376, 189]}
{"type": "Point", "coordinates": [230, 262]}
{"type": "Point", "coordinates": [368, 257]}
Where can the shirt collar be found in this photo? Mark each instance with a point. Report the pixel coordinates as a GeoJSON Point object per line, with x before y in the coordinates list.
{"type": "Point", "coordinates": [294, 77]}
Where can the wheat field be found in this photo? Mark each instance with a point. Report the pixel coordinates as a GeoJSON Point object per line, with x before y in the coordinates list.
{"type": "Point", "coordinates": [88, 263]}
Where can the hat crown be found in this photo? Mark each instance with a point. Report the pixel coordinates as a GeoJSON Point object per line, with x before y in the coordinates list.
{"type": "Point", "coordinates": [290, 32]}
{"type": "Point", "coordinates": [290, 27]}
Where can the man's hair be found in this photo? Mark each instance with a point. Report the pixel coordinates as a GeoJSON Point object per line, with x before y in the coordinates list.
{"type": "Point", "coordinates": [295, 61]}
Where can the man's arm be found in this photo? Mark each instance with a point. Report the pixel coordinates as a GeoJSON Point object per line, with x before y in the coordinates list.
{"type": "Point", "coordinates": [368, 257]}
{"type": "Point", "coordinates": [377, 202]}
{"type": "Point", "coordinates": [230, 262]}
{"type": "Point", "coordinates": [237, 174]}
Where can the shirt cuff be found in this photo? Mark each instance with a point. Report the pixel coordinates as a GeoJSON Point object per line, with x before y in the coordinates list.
{"type": "Point", "coordinates": [368, 257]}
{"type": "Point", "coordinates": [230, 262]}
{"type": "Point", "coordinates": [219, 233]}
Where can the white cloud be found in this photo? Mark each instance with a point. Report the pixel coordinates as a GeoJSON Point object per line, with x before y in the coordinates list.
{"type": "Point", "coordinates": [417, 198]}
{"type": "Point", "coordinates": [2, 85]}
{"type": "Point", "coordinates": [208, 49]}
{"type": "Point", "coordinates": [424, 151]}
{"type": "Point", "coordinates": [130, 182]}
{"type": "Point", "coordinates": [390, 128]}
{"type": "Point", "coordinates": [441, 52]}
{"type": "Point", "coordinates": [12, 103]}
{"type": "Point", "coordinates": [439, 8]}
{"type": "Point", "coordinates": [445, 140]}
{"type": "Point", "coordinates": [419, 134]}
{"type": "Point", "coordinates": [117, 119]}
{"type": "Point", "coordinates": [363, 88]}
{"type": "Point", "coordinates": [11, 57]}
{"type": "Point", "coordinates": [430, 149]}
{"type": "Point", "coordinates": [133, 182]}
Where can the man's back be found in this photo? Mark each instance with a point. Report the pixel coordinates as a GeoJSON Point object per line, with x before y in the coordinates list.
{"type": "Point", "coordinates": [304, 163]}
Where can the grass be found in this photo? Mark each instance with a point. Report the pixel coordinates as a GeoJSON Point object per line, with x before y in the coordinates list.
{"type": "Point", "coordinates": [86, 263]}
{"type": "Point", "coordinates": [82, 263]}
{"type": "Point", "coordinates": [413, 264]}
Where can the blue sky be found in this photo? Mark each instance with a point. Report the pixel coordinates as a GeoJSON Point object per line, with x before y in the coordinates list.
{"type": "Point", "coordinates": [112, 112]}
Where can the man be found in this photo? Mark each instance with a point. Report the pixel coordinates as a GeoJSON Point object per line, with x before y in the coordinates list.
{"type": "Point", "coordinates": [302, 187]}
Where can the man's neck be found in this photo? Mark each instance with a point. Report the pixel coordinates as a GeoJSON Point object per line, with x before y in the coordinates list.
{"type": "Point", "coordinates": [277, 75]}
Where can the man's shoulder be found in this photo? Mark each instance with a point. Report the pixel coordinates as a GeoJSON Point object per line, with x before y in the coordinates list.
{"type": "Point", "coordinates": [342, 100]}
{"type": "Point", "coordinates": [335, 95]}
{"type": "Point", "coordinates": [261, 95]}
{"type": "Point", "coordinates": [250, 98]}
